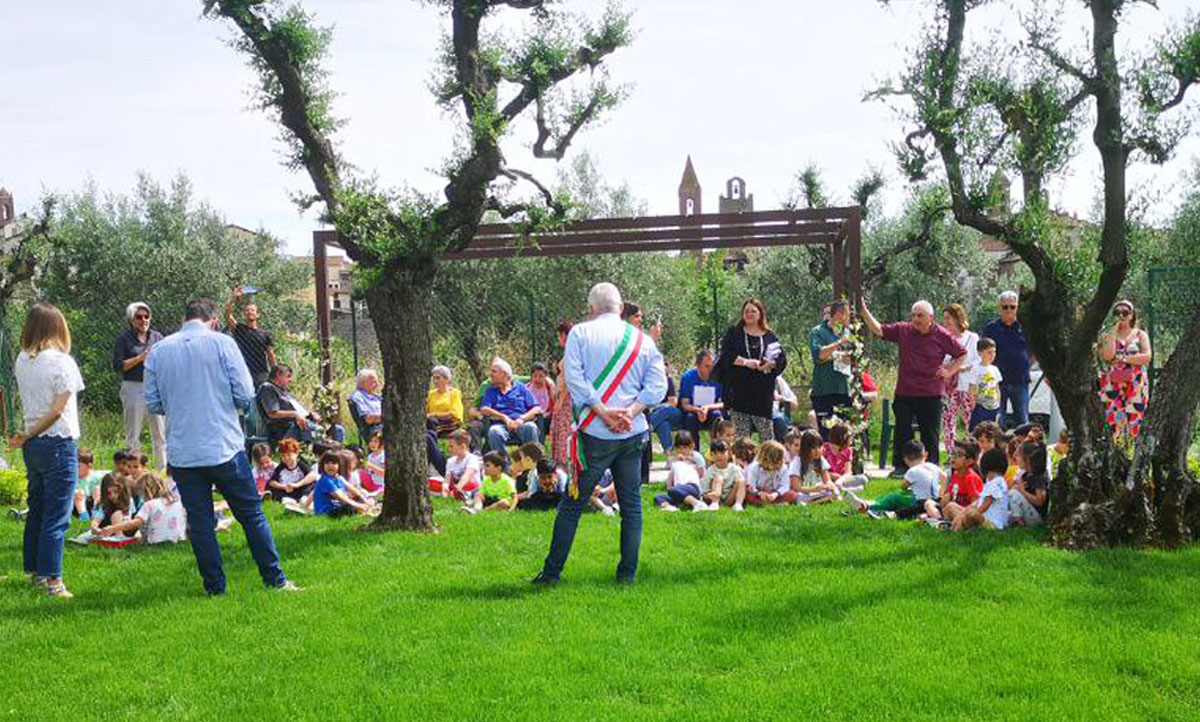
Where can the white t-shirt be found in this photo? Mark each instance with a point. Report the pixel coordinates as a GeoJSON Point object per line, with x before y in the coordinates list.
{"type": "Point", "coordinates": [986, 380]}
{"type": "Point", "coordinates": [379, 458]}
{"type": "Point", "coordinates": [814, 476]}
{"type": "Point", "coordinates": [923, 481]}
{"type": "Point", "coordinates": [456, 468]}
{"type": "Point", "coordinates": [40, 378]}
{"type": "Point", "coordinates": [761, 480]}
{"type": "Point", "coordinates": [162, 522]}
{"type": "Point", "coordinates": [970, 341]}
{"type": "Point", "coordinates": [996, 490]}
{"type": "Point", "coordinates": [683, 472]}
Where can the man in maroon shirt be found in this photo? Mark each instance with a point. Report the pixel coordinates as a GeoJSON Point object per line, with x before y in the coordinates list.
{"type": "Point", "coordinates": [923, 346]}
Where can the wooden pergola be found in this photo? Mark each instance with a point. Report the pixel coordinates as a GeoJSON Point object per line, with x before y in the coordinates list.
{"type": "Point", "coordinates": [838, 228]}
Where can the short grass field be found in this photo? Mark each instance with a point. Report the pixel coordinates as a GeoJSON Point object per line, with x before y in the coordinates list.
{"type": "Point", "coordinates": [784, 613]}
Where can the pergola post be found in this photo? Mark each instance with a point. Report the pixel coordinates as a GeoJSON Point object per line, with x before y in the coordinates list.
{"type": "Point", "coordinates": [321, 274]}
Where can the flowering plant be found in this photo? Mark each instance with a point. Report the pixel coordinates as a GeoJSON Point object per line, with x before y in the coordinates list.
{"type": "Point", "coordinates": [855, 416]}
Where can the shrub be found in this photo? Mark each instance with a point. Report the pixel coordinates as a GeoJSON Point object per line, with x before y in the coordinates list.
{"type": "Point", "coordinates": [12, 487]}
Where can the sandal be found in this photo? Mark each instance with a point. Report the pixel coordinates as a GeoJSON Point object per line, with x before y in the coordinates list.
{"type": "Point", "coordinates": [55, 588]}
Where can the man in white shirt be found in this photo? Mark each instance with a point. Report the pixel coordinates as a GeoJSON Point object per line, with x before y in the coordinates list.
{"type": "Point", "coordinates": [613, 372]}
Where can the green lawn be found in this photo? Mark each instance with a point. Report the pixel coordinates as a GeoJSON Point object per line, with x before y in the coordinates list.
{"type": "Point", "coordinates": [770, 614]}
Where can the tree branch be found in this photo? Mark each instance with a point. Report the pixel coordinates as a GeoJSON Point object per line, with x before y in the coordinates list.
{"type": "Point", "coordinates": [876, 268]}
{"type": "Point", "coordinates": [582, 118]}
{"type": "Point", "coordinates": [1060, 61]}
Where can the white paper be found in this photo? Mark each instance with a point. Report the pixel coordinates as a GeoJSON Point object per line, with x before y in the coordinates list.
{"type": "Point", "coordinates": [704, 395]}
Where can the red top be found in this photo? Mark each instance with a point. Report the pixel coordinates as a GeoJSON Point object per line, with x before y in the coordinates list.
{"type": "Point", "coordinates": [921, 355]}
{"type": "Point", "coordinates": [839, 461]}
{"type": "Point", "coordinates": [970, 486]}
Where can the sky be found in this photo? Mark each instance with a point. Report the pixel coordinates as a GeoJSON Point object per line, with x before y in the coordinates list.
{"type": "Point", "coordinates": [754, 88]}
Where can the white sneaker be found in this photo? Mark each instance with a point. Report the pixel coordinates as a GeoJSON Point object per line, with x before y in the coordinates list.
{"type": "Point", "coordinates": [738, 507]}
{"type": "Point", "coordinates": [608, 511]}
{"type": "Point", "coordinates": [854, 502]}
{"type": "Point", "coordinates": [669, 507]}
{"type": "Point", "coordinates": [702, 507]}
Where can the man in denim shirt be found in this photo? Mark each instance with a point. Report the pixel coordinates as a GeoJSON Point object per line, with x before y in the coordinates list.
{"type": "Point", "coordinates": [198, 379]}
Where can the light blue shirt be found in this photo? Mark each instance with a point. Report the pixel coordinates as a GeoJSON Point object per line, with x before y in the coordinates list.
{"type": "Point", "coordinates": [198, 379]}
{"type": "Point", "coordinates": [590, 346]}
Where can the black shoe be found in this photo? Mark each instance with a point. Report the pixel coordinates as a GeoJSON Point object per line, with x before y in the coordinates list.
{"type": "Point", "coordinates": [897, 474]}
{"type": "Point", "coordinates": [542, 580]}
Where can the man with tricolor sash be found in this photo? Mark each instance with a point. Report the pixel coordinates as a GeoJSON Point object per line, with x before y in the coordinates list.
{"type": "Point", "coordinates": [613, 372]}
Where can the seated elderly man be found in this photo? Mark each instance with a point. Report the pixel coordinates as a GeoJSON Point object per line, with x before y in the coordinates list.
{"type": "Point", "coordinates": [510, 407]}
{"type": "Point", "coordinates": [286, 417]}
{"type": "Point", "coordinates": [366, 404]}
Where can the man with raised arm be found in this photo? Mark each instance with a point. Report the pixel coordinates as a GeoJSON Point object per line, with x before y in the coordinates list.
{"type": "Point", "coordinates": [613, 372]}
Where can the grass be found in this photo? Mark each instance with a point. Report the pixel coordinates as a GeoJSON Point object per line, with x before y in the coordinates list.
{"type": "Point", "coordinates": [771, 614]}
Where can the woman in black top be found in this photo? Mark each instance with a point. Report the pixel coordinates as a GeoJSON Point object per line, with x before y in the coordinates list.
{"type": "Point", "coordinates": [751, 357]}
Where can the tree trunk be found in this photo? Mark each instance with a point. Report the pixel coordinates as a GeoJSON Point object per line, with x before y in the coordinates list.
{"type": "Point", "coordinates": [399, 302]}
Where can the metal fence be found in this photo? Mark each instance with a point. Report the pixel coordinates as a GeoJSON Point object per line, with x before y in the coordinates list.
{"type": "Point", "coordinates": [1173, 293]}
{"type": "Point", "coordinates": [8, 386]}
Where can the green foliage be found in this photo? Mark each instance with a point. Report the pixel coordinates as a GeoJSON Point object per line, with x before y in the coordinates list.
{"type": "Point", "coordinates": [12, 487]}
{"type": "Point", "coordinates": [159, 246]}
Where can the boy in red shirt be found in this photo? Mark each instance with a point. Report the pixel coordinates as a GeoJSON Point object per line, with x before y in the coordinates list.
{"type": "Point", "coordinates": [965, 484]}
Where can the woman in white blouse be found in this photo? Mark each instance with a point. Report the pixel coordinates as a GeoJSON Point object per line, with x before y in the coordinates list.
{"type": "Point", "coordinates": [956, 399]}
{"type": "Point", "coordinates": [48, 380]}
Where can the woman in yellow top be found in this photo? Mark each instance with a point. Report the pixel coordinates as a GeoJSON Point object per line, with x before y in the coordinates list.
{"type": "Point", "coordinates": [443, 405]}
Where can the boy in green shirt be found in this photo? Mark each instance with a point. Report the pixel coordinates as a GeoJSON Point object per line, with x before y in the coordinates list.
{"type": "Point", "coordinates": [497, 490]}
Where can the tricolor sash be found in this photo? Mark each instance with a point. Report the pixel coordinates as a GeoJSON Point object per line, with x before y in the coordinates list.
{"type": "Point", "coordinates": [607, 384]}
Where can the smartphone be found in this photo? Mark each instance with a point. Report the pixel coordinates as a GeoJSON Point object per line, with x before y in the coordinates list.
{"type": "Point", "coordinates": [249, 290]}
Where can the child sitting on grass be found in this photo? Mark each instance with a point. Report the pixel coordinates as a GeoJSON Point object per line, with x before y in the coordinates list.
{"type": "Point", "coordinates": [376, 463]}
{"type": "Point", "coordinates": [1028, 497]}
{"type": "Point", "coordinates": [808, 473]}
{"type": "Point", "coordinates": [87, 490]}
{"type": "Point", "coordinates": [1060, 451]}
{"type": "Point", "coordinates": [462, 469]}
{"type": "Point", "coordinates": [546, 492]}
{"type": "Point", "coordinates": [116, 506]}
{"type": "Point", "coordinates": [922, 482]}
{"type": "Point", "coordinates": [497, 491]}
{"type": "Point", "coordinates": [766, 479]}
{"type": "Point", "coordinates": [264, 468]}
{"type": "Point", "coordinates": [965, 483]}
{"type": "Point", "coordinates": [724, 431]}
{"type": "Point", "coordinates": [838, 453]}
{"type": "Point", "coordinates": [524, 466]}
{"type": "Point", "coordinates": [292, 477]}
{"type": "Point", "coordinates": [723, 479]}
{"type": "Point", "coordinates": [987, 436]}
{"type": "Point", "coordinates": [331, 496]}
{"type": "Point", "coordinates": [683, 478]}
{"type": "Point", "coordinates": [161, 518]}
{"type": "Point", "coordinates": [1012, 449]}
{"type": "Point", "coordinates": [990, 510]}
{"type": "Point", "coordinates": [745, 451]}
{"type": "Point", "coordinates": [355, 475]}
{"type": "Point", "coordinates": [604, 496]}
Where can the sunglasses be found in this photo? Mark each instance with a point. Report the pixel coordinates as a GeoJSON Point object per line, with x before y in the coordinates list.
{"type": "Point", "coordinates": [1008, 306]}
{"type": "Point", "coordinates": [141, 316]}
{"type": "Point", "coordinates": [1122, 312]}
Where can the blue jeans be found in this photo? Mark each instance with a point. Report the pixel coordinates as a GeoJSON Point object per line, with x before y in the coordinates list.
{"type": "Point", "coordinates": [52, 468]}
{"type": "Point", "coordinates": [624, 457]}
{"type": "Point", "coordinates": [498, 435]}
{"type": "Point", "coordinates": [1018, 395]}
{"type": "Point", "coordinates": [781, 423]}
{"type": "Point", "coordinates": [663, 421]}
{"type": "Point", "coordinates": [235, 481]}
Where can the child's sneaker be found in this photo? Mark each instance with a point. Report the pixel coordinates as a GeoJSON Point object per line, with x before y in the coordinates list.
{"type": "Point", "coordinates": [714, 506]}
{"type": "Point", "coordinates": [855, 503]}
{"type": "Point", "coordinates": [703, 507]}
{"type": "Point", "coordinates": [608, 511]}
{"type": "Point", "coordinates": [669, 507]}
{"type": "Point", "coordinates": [737, 507]}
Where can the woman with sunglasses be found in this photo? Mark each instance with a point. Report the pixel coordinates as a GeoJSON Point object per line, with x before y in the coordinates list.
{"type": "Point", "coordinates": [1124, 389]}
{"type": "Point", "coordinates": [129, 359]}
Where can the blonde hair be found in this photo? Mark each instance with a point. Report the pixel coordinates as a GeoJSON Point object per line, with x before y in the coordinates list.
{"type": "Point", "coordinates": [45, 327]}
{"type": "Point", "coordinates": [771, 454]}
{"type": "Point", "coordinates": [155, 487]}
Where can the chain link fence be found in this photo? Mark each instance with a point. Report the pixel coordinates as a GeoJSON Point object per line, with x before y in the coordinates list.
{"type": "Point", "coordinates": [8, 385]}
{"type": "Point", "coordinates": [1173, 293]}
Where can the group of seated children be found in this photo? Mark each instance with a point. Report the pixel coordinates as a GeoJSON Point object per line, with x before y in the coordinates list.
{"type": "Point", "coordinates": [802, 470]}
{"type": "Point", "coordinates": [127, 504]}
{"type": "Point", "coordinates": [994, 481]}
{"type": "Point", "coordinates": [529, 481]}
{"type": "Point", "coordinates": [345, 481]}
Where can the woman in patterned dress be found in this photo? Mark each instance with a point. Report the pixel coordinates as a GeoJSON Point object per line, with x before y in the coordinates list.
{"type": "Point", "coordinates": [1124, 383]}
{"type": "Point", "coordinates": [560, 420]}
